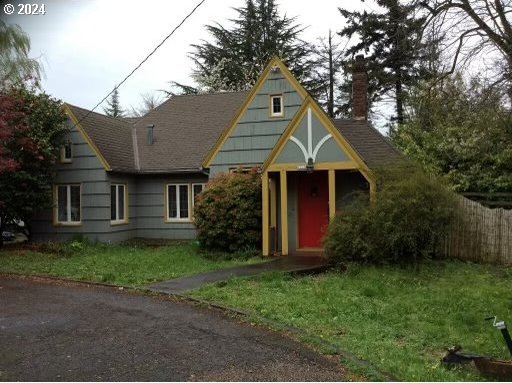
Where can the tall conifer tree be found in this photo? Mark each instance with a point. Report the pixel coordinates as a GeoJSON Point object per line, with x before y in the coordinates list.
{"type": "Point", "coordinates": [113, 108]}
{"type": "Point", "coordinates": [236, 56]}
{"type": "Point", "coordinates": [392, 43]}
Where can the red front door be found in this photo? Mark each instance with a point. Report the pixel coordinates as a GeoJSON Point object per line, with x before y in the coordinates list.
{"type": "Point", "coordinates": [313, 208]}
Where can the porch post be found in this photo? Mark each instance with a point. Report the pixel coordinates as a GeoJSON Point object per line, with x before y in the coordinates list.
{"type": "Point", "coordinates": [332, 194]}
{"type": "Point", "coordinates": [265, 221]}
{"type": "Point", "coordinates": [284, 213]}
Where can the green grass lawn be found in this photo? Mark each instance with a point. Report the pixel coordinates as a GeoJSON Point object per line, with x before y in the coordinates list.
{"type": "Point", "coordinates": [129, 265]}
{"type": "Point", "coordinates": [399, 319]}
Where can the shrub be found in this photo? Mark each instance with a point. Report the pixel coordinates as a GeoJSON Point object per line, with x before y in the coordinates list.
{"type": "Point", "coordinates": [228, 213]}
{"type": "Point", "coordinates": [406, 223]}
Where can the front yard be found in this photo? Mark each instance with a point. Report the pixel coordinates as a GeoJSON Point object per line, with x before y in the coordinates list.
{"type": "Point", "coordinates": [135, 264]}
{"type": "Point", "coordinates": [399, 320]}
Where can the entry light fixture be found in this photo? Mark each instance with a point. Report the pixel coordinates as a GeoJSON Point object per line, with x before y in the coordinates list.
{"type": "Point", "coordinates": [310, 166]}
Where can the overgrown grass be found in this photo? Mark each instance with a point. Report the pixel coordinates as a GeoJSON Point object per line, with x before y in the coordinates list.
{"type": "Point", "coordinates": [133, 264]}
{"type": "Point", "coordinates": [399, 319]}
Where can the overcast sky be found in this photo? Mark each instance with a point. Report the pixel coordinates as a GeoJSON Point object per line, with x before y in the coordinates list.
{"type": "Point", "coordinates": [88, 46]}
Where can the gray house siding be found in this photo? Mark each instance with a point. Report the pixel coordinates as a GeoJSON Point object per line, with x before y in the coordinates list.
{"type": "Point", "coordinates": [86, 170]}
{"type": "Point", "coordinates": [347, 184]}
{"type": "Point", "coordinates": [151, 209]}
{"type": "Point", "coordinates": [256, 133]}
{"type": "Point", "coordinates": [328, 152]}
{"type": "Point", "coordinates": [146, 209]}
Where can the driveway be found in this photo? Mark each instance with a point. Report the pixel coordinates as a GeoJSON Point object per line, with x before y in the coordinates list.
{"type": "Point", "coordinates": [61, 331]}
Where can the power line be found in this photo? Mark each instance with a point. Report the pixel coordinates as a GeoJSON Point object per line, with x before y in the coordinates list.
{"type": "Point", "coordinates": [143, 61]}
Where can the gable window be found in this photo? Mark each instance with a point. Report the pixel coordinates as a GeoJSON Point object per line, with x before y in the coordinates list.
{"type": "Point", "coordinates": [178, 202]}
{"type": "Point", "coordinates": [66, 153]}
{"type": "Point", "coordinates": [68, 204]}
{"type": "Point", "coordinates": [276, 106]}
{"type": "Point", "coordinates": [118, 202]}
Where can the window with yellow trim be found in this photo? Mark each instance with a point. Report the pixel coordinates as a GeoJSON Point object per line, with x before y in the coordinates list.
{"type": "Point", "coordinates": [178, 202]}
{"type": "Point", "coordinates": [276, 106]}
{"type": "Point", "coordinates": [66, 153]}
{"type": "Point", "coordinates": [118, 202]}
{"type": "Point", "coordinates": [68, 204]}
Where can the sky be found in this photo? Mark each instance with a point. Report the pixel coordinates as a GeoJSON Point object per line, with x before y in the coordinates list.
{"type": "Point", "coordinates": [88, 46]}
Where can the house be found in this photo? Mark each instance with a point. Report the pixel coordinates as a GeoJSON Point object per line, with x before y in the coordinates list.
{"type": "Point", "coordinates": [120, 179]}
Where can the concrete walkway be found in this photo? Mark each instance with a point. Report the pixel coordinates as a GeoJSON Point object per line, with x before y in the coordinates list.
{"type": "Point", "coordinates": [289, 263]}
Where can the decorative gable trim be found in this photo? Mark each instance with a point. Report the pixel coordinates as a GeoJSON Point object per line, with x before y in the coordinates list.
{"type": "Point", "coordinates": [307, 109]}
{"type": "Point", "coordinates": [86, 137]}
{"type": "Point", "coordinates": [274, 64]}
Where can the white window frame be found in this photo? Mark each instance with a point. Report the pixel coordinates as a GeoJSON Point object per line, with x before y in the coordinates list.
{"type": "Point", "coordinates": [63, 158]}
{"type": "Point", "coordinates": [272, 113]}
{"type": "Point", "coordinates": [68, 221]}
{"type": "Point", "coordinates": [118, 221]}
{"type": "Point", "coordinates": [178, 217]}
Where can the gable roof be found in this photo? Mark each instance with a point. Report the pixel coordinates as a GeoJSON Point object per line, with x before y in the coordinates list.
{"type": "Point", "coordinates": [185, 129]}
{"type": "Point", "coordinates": [110, 136]}
{"type": "Point", "coordinates": [275, 62]}
{"type": "Point", "coordinates": [373, 148]}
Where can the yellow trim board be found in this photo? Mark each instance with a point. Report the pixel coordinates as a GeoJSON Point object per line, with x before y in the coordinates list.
{"type": "Point", "coordinates": [327, 123]}
{"type": "Point", "coordinates": [265, 224]}
{"type": "Point", "coordinates": [86, 137]}
{"type": "Point", "coordinates": [275, 61]}
{"type": "Point", "coordinates": [299, 166]}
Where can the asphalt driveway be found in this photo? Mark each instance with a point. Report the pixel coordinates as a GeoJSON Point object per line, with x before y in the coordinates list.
{"type": "Point", "coordinates": [60, 331]}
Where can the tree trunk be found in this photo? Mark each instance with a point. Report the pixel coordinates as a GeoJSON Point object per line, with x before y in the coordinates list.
{"type": "Point", "coordinates": [330, 102]}
{"type": "Point", "coordinates": [399, 95]}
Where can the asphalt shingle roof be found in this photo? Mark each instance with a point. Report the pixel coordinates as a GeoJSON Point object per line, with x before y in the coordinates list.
{"type": "Point", "coordinates": [112, 136]}
{"type": "Point", "coordinates": [186, 128]}
{"type": "Point", "coordinates": [374, 149]}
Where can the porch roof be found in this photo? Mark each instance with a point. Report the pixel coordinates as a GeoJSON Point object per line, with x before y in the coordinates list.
{"type": "Point", "coordinates": [373, 148]}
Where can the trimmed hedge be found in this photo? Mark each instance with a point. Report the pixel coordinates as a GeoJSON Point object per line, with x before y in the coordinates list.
{"type": "Point", "coordinates": [228, 213]}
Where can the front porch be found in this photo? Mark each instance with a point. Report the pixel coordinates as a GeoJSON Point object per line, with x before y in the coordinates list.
{"type": "Point", "coordinates": [298, 204]}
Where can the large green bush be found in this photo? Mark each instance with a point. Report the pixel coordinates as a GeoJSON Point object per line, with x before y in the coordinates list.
{"type": "Point", "coordinates": [228, 213]}
{"type": "Point", "coordinates": [405, 223]}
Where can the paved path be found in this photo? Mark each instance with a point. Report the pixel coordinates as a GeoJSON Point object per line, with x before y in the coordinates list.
{"type": "Point", "coordinates": [70, 332]}
{"type": "Point", "coordinates": [292, 263]}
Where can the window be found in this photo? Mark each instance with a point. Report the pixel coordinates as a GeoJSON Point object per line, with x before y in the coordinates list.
{"type": "Point", "coordinates": [66, 153]}
{"type": "Point", "coordinates": [276, 106]}
{"type": "Point", "coordinates": [68, 204]}
{"type": "Point", "coordinates": [178, 202]}
{"type": "Point", "coordinates": [196, 190]}
{"type": "Point", "coordinates": [118, 203]}
{"type": "Point", "coordinates": [244, 169]}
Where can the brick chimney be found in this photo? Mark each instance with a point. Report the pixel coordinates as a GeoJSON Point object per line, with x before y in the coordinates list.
{"type": "Point", "coordinates": [359, 89]}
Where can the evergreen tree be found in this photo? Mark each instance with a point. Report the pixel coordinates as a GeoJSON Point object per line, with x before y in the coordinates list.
{"type": "Point", "coordinates": [392, 43]}
{"type": "Point", "coordinates": [236, 57]}
{"type": "Point", "coordinates": [328, 75]}
{"type": "Point", "coordinates": [113, 108]}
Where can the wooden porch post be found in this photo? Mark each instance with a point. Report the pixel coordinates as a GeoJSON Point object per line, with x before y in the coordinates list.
{"type": "Point", "coordinates": [265, 221]}
{"type": "Point", "coordinates": [332, 194]}
{"type": "Point", "coordinates": [284, 213]}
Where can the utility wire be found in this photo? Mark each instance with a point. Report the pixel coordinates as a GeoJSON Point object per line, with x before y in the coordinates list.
{"type": "Point", "coordinates": [143, 61]}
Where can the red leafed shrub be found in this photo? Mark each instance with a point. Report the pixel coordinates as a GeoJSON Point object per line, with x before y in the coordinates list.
{"type": "Point", "coordinates": [228, 213]}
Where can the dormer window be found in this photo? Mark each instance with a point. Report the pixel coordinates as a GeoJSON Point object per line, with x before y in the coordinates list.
{"type": "Point", "coordinates": [66, 153]}
{"type": "Point", "coordinates": [276, 106]}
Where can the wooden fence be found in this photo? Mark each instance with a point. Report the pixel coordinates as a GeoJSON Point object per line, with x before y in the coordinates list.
{"type": "Point", "coordinates": [481, 234]}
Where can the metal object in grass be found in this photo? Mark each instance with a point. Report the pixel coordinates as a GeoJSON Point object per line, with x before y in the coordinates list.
{"type": "Point", "coordinates": [496, 368]}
